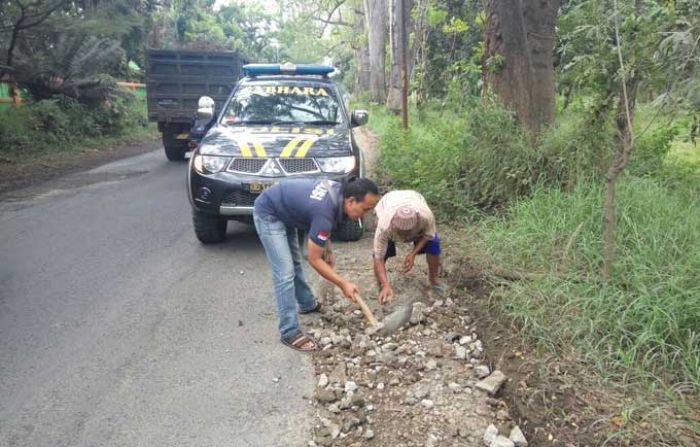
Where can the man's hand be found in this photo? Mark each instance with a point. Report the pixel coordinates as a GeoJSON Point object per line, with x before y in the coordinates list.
{"type": "Point", "coordinates": [408, 262]}
{"type": "Point", "coordinates": [349, 291]}
{"type": "Point", "coordinates": [386, 294]}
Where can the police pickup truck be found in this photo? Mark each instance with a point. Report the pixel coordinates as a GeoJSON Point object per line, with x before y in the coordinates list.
{"type": "Point", "coordinates": [280, 121]}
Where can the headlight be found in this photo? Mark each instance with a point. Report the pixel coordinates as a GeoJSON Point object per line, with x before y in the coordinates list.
{"type": "Point", "coordinates": [337, 165]}
{"type": "Point", "coordinates": [210, 164]}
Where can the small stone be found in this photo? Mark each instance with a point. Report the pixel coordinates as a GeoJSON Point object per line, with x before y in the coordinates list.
{"type": "Point", "coordinates": [380, 386]}
{"type": "Point", "coordinates": [427, 403]}
{"type": "Point", "coordinates": [322, 381]}
{"type": "Point", "coordinates": [492, 383]}
{"type": "Point", "coordinates": [438, 303]}
{"type": "Point", "coordinates": [241, 272]}
{"type": "Point", "coordinates": [501, 441]}
{"type": "Point", "coordinates": [418, 315]}
{"type": "Point", "coordinates": [465, 340]}
{"type": "Point", "coordinates": [518, 438]}
{"type": "Point", "coordinates": [431, 365]}
{"type": "Point", "coordinates": [460, 352]}
{"type": "Point", "coordinates": [482, 371]}
{"type": "Point", "coordinates": [456, 387]}
{"type": "Point", "coordinates": [325, 341]}
{"type": "Point", "coordinates": [369, 434]}
{"type": "Point", "coordinates": [326, 396]}
{"type": "Point", "coordinates": [276, 379]}
{"type": "Point", "coordinates": [490, 434]}
{"type": "Point", "coordinates": [334, 408]}
{"type": "Point", "coordinates": [350, 386]}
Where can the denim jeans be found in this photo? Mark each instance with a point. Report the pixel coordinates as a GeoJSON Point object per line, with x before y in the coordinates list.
{"type": "Point", "coordinates": [291, 290]}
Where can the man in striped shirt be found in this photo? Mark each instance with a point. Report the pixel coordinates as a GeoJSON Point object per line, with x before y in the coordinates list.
{"type": "Point", "coordinates": [404, 216]}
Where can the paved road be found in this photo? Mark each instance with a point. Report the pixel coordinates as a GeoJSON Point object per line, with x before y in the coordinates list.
{"type": "Point", "coordinates": [118, 328]}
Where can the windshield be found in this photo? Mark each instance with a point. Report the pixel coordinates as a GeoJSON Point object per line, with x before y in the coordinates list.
{"type": "Point", "coordinates": [283, 104]}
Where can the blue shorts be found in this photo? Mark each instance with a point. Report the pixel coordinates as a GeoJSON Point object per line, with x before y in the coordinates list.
{"type": "Point", "coordinates": [431, 248]}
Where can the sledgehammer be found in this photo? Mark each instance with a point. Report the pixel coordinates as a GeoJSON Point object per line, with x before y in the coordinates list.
{"type": "Point", "coordinates": [393, 322]}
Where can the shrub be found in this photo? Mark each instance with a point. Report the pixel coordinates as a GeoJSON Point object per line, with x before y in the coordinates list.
{"type": "Point", "coordinates": [477, 156]}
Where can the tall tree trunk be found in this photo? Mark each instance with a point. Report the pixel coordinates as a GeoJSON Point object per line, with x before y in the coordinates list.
{"type": "Point", "coordinates": [393, 100]}
{"type": "Point", "coordinates": [540, 23]}
{"type": "Point", "coordinates": [376, 16]}
{"type": "Point", "coordinates": [518, 63]}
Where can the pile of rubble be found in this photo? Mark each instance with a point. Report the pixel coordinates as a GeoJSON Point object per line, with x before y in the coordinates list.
{"type": "Point", "coordinates": [425, 385]}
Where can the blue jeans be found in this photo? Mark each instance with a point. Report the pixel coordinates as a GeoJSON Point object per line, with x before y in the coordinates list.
{"type": "Point", "coordinates": [282, 249]}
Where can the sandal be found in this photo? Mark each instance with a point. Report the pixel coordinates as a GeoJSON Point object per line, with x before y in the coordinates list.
{"type": "Point", "coordinates": [317, 308]}
{"type": "Point", "coordinates": [299, 341]}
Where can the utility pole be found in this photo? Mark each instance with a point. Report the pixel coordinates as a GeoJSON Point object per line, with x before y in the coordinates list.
{"type": "Point", "coordinates": [403, 51]}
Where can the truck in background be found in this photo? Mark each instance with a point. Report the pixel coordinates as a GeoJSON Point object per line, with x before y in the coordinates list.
{"type": "Point", "coordinates": [176, 79]}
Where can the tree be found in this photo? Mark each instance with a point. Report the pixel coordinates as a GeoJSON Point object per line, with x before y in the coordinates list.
{"type": "Point", "coordinates": [376, 18]}
{"type": "Point", "coordinates": [519, 58]}
{"type": "Point", "coordinates": [21, 15]}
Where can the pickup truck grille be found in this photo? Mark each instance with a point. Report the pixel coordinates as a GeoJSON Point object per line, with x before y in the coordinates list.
{"type": "Point", "coordinates": [237, 197]}
{"type": "Point", "coordinates": [247, 165]}
{"type": "Point", "coordinates": [298, 165]}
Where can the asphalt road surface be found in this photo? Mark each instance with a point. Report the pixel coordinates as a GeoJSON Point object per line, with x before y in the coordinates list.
{"type": "Point", "coordinates": [118, 328]}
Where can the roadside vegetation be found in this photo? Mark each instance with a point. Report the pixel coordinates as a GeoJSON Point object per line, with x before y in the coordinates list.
{"type": "Point", "coordinates": [537, 213]}
{"type": "Point", "coordinates": [63, 125]}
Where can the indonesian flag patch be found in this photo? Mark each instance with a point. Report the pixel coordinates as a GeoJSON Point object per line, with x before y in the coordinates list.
{"type": "Point", "coordinates": [323, 235]}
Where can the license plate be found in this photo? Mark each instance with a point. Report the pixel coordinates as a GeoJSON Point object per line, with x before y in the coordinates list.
{"type": "Point", "coordinates": [258, 187]}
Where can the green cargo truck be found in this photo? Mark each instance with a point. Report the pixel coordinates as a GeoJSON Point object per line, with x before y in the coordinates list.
{"type": "Point", "coordinates": [176, 79]}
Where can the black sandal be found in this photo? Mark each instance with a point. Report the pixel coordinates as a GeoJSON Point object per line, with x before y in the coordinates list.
{"type": "Point", "coordinates": [298, 341]}
{"type": "Point", "coordinates": [317, 308]}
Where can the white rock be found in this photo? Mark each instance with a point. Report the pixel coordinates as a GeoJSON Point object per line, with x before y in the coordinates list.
{"type": "Point", "coordinates": [492, 383]}
{"type": "Point", "coordinates": [490, 434]}
{"type": "Point", "coordinates": [323, 381]}
{"type": "Point", "coordinates": [369, 434]}
{"type": "Point", "coordinates": [427, 403]}
{"type": "Point", "coordinates": [501, 441]}
{"type": "Point", "coordinates": [325, 341]}
{"type": "Point", "coordinates": [380, 386]}
{"type": "Point", "coordinates": [335, 430]}
{"type": "Point", "coordinates": [518, 438]}
{"type": "Point", "coordinates": [465, 340]}
{"type": "Point", "coordinates": [431, 365]}
{"type": "Point", "coordinates": [460, 352]}
{"type": "Point", "coordinates": [455, 387]}
{"type": "Point", "coordinates": [482, 371]}
{"type": "Point", "coordinates": [350, 386]}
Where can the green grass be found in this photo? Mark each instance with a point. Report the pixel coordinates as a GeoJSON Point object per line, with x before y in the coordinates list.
{"type": "Point", "coordinates": [645, 321]}
{"type": "Point", "coordinates": [61, 125]}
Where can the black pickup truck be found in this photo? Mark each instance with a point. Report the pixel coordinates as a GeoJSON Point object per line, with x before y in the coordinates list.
{"type": "Point", "coordinates": [176, 79]}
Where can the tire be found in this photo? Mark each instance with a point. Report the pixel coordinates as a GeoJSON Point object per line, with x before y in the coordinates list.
{"type": "Point", "coordinates": [350, 230]}
{"type": "Point", "coordinates": [209, 229]}
{"type": "Point", "coordinates": [174, 149]}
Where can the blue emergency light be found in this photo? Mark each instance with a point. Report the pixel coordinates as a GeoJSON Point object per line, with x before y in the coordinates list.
{"type": "Point", "coordinates": [287, 69]}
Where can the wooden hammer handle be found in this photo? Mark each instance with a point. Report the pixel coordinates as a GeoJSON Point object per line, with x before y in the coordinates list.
{"type": "Point", "coordinates": [366, 310]}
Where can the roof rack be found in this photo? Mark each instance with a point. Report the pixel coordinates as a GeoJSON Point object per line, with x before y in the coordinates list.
{"type": "Point", "coordinates": [253, 70]}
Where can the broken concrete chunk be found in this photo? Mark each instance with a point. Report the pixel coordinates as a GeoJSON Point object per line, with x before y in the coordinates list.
{"type": "Point", "coordinates": [492, 383]}
{"type": "Point", "coordinates": [518, 438]}
{"type": "Point", "coordinates": [502, 441]}
{"type": "Point", "coordinates": [482, 371]}
{"type": "Point", "coordinates": [490, 434]}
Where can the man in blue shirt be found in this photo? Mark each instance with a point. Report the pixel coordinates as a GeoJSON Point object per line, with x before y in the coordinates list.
{"type": "Point", "coordinates": [314, 206]}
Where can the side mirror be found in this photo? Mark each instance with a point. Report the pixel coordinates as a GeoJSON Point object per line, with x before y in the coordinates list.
{"type": "Point", "coordinates": [359, 118]}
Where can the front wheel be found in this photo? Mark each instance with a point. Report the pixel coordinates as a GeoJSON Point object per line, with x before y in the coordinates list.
{"type": "Point", "coordinates": [350, 230]}
{"type": "Point", "coordinates": [209, 229]}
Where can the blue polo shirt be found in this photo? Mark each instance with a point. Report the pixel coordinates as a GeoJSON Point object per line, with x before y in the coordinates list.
{"type": "Point", "coordinates": [305, 204]}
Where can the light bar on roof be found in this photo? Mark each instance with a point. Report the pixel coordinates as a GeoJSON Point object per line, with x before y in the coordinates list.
{"type": "Point", "coordinates": [287, 69]}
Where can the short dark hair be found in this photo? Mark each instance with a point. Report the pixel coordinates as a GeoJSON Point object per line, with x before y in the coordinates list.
{"type": "Point", "coordinates": [358, 188]}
